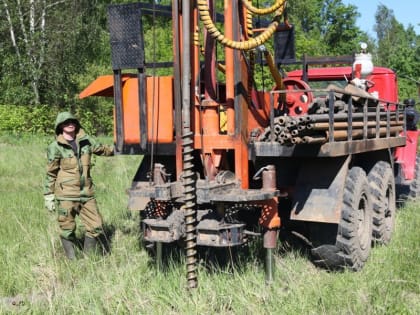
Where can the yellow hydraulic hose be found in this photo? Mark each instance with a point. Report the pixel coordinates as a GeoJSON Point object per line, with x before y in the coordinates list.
{"type": "Point", "coordinates": [275, 74]}
{"type": "Point", "coordinates": [258, 11]}
{"type": "Point", "coordinates": [273, 69]}
{"type": "Point", "coordinates": [245, 45]}
{"type": "Point", "coordinates": [251, 53]}
{"type": "Point", "coordinates": [249, 26]}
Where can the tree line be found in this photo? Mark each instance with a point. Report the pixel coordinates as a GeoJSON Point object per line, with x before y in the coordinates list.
{"type": "Point", "coordinates": [52, 49]}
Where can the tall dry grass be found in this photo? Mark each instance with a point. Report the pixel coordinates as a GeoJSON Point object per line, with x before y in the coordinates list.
{"type": "Point", "coordinates": [35, 277]}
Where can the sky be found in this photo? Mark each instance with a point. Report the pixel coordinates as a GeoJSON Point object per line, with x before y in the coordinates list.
{"type": "Point", "coordinates": [405, 11]}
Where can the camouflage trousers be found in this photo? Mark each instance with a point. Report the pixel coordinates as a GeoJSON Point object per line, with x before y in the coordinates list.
{"type": "Point", "coordinates": [89, 215]}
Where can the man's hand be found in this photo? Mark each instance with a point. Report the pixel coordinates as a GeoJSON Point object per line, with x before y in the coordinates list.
{"type": "Point", "coordinates": [50, 202]}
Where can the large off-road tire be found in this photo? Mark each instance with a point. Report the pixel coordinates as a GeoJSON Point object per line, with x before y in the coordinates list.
{"type": "Point", "coordinates": [353, 236]}
{"type": "Point", "coordinates": [355, 229]}
{"type": "Point", "coordinates": [382, 188]}
{"type": "Point", "coordinates": [414, 192]}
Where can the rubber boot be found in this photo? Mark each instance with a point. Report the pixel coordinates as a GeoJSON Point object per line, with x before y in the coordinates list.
{"type": "Point", "coordinates": [68, 248]}
{"type": "Point", "coordinates": [89, 245]}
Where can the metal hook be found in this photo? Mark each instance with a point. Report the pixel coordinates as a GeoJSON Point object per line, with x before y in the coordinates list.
{"type": "Point", "coordinates": [258, 173]}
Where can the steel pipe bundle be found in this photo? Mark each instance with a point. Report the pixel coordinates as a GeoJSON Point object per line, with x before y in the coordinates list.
{"type": "Point", "coordinates": [315, 129]}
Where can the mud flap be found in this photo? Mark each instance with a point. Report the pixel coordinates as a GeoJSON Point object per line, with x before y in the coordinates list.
{"type": "Point", "coordinates": [319, 190]}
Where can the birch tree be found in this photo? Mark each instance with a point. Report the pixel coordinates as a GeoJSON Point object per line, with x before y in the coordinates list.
{"type": "Point", "coordinates": [27, 22]}
{"type": "Point", "coordinates": [47, 47]}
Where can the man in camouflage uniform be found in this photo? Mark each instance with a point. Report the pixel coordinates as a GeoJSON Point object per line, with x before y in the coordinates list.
{"type": "Point", "coordinates": [68, 182]}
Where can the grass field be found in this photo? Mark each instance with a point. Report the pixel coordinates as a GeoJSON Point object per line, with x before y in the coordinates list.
{"type": "Point", "coordinates": [35, 277]}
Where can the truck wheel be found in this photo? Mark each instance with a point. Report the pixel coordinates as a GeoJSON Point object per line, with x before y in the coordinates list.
{"type": "Point", "coordinates": [350, 247]}
{"type": "Point", "coordinates": [382, 188]}
{"type": "Point", "coordinates": [414, 192]}
{"type": "Point", "coordinates": [354, 235]}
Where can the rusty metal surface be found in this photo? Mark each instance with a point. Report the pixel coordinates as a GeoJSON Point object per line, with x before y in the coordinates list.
{"type": "Point", "coordinates": [212, 230]}
{"type": "Point", "coordinates": [269, 178]}
{"type": "Point", "coordinates": [207, 191]}
{"type": "Point", "coordinates": [137, 203]}
{"type": "Point", "coordinates": [351, 147]}
{"type": "Point", "coordinates": [216, 234]}
{"type": "Point", "coordinates": [334, 149]}
{"type": "Point", "coordinates": [270, 238]}
{"type": "Point", "coordinates": [213, 192]}
{"type": "Point", "coordinates": [142, 192]}
{"type": "Point", "coordinates": [319, 190]}
{"type": "Point", "coordinates": [144, 189]}
{"type": "Point", "coordinates": [165, 231]}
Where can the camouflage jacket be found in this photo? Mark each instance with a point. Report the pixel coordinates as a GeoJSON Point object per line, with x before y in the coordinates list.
{"type": "Point", "coordinates": [68, 174]}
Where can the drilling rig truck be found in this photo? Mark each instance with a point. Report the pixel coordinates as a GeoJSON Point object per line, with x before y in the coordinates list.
{"type": "Point", "coordinates": [324, 151]}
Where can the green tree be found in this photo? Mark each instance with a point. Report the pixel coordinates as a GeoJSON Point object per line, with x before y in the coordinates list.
{"type": "Point", "coordinates": [46, 44]}
{"type": "Point", "coordinates": [340, 33]}
{"type": "Point", "coordinates": [398, 49]}
{"type": "Point", "coordinates": [325, 27]}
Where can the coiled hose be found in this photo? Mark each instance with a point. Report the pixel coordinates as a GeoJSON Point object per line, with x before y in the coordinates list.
{"type": "Point", "coordinates": [274, 7]}
{"type": "Point", "coordinates": [251, 43]}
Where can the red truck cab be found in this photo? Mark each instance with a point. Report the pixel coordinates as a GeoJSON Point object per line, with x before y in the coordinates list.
{"type": "Point", "coordinates": [385, 80]}
{"type": "Point", "coordinates": [384, 86]}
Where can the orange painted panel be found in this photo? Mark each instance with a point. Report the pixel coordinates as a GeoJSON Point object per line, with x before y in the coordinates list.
{"type": "Point", "coordinates": [102, 86]}
{"type": "Point", "coordinates": [131, 111]}
{"type": "Point", "coordinates": [163, 103]}
{"type": "Point", "coordinates": [159, 104]}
